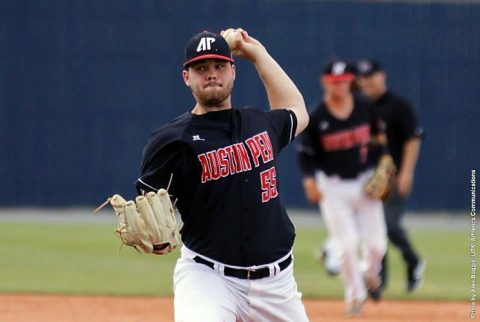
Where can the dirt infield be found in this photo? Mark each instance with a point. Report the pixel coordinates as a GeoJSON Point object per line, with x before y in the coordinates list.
{"type": "Point", "coordinates": [48, 308]}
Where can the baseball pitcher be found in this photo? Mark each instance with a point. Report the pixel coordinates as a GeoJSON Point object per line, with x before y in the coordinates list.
{"type": "Point", "coordinates": [219, 164]}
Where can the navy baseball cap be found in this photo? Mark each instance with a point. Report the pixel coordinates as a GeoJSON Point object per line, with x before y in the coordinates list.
{"type": "Point", "coordinates": [337, 71]}
{"type": "Point", "coordinates": [368, 67]}
{"type": "Point", "coordinates": [206, 45]}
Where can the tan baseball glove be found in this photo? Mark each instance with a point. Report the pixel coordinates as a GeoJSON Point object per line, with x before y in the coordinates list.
{"type": "Point", "coordinates": [148, 224]}
{"type": "Point", "coordinates": [380, 183]}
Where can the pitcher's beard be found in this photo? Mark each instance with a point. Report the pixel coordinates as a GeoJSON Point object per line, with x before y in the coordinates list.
{"type": "Point", "coordinates": [213, 98]}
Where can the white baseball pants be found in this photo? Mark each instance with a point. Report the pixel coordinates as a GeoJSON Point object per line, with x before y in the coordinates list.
{"type": "Point", "coordinates": [204, 294]}
{"type": "Point", "coordinates": [353, 219]}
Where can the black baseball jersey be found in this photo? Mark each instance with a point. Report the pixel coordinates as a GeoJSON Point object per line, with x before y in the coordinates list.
{"type": "Point", "coordinates": [401, 123]}
{"type": "Point", "coordinates": [225, 178]}
{"type": "Point", "coordinates": [338, 147]}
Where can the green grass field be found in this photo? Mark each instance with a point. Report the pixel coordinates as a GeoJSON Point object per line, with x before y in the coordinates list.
{"type": "Point", "coordinates": [84, 259]}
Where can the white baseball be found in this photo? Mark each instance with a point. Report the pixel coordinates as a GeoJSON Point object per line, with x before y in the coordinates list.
{"type": "Point", "coordinates": [230, 36]}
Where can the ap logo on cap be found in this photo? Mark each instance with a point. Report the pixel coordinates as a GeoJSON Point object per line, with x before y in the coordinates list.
{"type": "Point", "coordinates": [338, 68]}
{"type": "Point", "coordinates": [364, 66]}
{"type": "Point", "coordinates": [205, 44]}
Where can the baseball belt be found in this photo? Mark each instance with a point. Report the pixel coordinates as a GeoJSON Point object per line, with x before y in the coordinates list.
{"type": "Point", "coordinates": [247, 274]}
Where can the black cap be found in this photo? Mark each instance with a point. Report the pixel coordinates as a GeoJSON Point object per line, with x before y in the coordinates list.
{"type": "Point", "coordinates": [367, 67]}
{"type": "Point", "coordinates": [206, 45]}
{"type": "Point", "coordinates": [338, 70]}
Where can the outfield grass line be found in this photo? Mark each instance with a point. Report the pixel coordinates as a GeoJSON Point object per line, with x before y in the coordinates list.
{"type": "Point", "coordinates": [302, 218]}
{"type": "Point", "coordinates": [82, 258]}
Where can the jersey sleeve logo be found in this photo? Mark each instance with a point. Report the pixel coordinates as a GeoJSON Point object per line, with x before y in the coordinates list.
{"type": "Point", "coordinates": [418, 131]}
{"type": "Point", "coordinates": [324, 125]}
{"type": "Point", "coordinates": [197, 138]}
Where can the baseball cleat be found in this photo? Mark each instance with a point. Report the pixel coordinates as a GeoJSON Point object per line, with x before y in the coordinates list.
{"type": "Point", "coordinates": [374, 288]}
{"type": "Point", "coordinates": [332, 266]}
{"type": "Point", "coordinates": [355, 308]}
{"type": "Point", "coordinates": [416, 276]}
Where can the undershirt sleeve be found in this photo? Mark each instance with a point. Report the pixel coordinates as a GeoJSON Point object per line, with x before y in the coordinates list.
{"type": "Point", "coordinates": [284, 123]}
{"type": "Point", "coordinates": [408, 122]}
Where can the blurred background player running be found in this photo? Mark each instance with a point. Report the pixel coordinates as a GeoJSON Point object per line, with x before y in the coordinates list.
{"type": "Point", "coordinates": [334, 158]}
{"type": "Point", "coordinates": [404, 137]}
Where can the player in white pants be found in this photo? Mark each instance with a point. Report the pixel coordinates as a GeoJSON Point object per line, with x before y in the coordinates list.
{"type": "Point", "coordinates": [335, 161]}
{"type": "Point", "coordinates": [351, 217]}
{"type": "Point", "coordinates": [198, 289]}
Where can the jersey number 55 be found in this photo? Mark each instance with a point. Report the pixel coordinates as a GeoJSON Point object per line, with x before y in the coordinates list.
{"type": "Point", "coordinates": [268, 179]}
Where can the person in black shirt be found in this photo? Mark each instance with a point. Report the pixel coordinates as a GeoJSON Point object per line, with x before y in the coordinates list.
{"type": "Point", "coordinates": [404, 139]}
{"type": "Point", "coordinates": [219, 163]}
{"type": "Point", "coordinates": [334, 158]}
